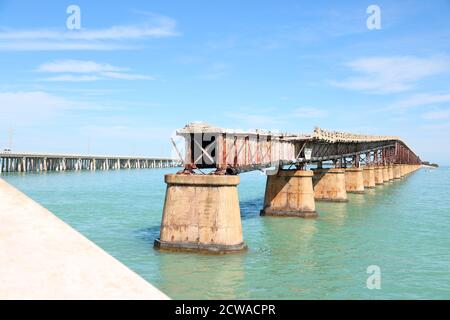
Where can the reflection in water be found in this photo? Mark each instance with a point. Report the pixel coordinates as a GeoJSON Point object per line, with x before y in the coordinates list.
{"type": "Point", "coordinates": [335, 212]}
{"type": "Point", "coordinates": [200, 276]}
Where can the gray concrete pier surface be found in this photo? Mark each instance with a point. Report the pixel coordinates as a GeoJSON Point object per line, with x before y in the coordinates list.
{"type": "Point", "coordinates": [41, 162]}
{"type": "Point", "coordinates": [41, 257]}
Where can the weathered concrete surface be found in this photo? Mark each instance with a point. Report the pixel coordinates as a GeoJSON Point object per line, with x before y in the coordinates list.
{"type": "Point", "coordinates": [385, 174]}
{"type": "Point", "coordinates": [41, 257]}
{"type": "Point", "coordinates": [354, 180]}
{"type": "Point", "coordinates": [391, 172]}
{"type": "Point", "coordinates": [329, 185]}
{"type": "Point", "coordinates": [201, 213]}
{"type": "Point", "coordinates": [290, 193]}
{"type": "Point", "coordinates": [369, 177]}
{"type": "Point", "coordinates": [397, 171]}
{"type": "Point", "coordinates": [379, 175]}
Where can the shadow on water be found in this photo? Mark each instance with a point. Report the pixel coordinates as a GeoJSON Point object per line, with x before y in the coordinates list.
{"type": "Point", "coordinates": [250, 208]}
{"type": "Point", "coordinates": [148, 234]}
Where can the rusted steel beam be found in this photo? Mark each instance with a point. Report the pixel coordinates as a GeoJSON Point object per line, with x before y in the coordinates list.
{"type": "Point", "coordinates": [234, 151]}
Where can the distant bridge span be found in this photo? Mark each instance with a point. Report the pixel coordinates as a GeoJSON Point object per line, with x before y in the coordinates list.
{"type": "Point", "coordinates": [41, 162]}
{"type": "Point", "coordinates": [233, 151]}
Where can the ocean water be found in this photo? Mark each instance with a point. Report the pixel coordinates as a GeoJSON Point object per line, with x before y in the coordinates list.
{"type": "Point", "coordinates": [403, 228]}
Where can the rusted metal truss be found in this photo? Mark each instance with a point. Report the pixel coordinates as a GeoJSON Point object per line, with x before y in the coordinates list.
{"type": "Point", "coordinates": [232, 151]}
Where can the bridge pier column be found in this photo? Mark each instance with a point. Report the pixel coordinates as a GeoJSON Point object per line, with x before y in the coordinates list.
{"type": "Point", "coordinates": [385, 173]}
{"type": "Point", "coordinates": [402, 170]}
{"type": "Point", "coordinates": [369, 177]}
{"type": "Point", "coordinates": [329, 185]}
{"type": "Point", "coordinates": [391, 172]}
{"type": "Point", "coordinates": [378, 175]}
{"type": "Point", "coordinates": [354, 180]}
{"type": "Point", "coordinates": [397, 171]}
{"type": "Point", "coordinates": [290, 193]}
{"type": "Point", "coordinates": [201, 213]}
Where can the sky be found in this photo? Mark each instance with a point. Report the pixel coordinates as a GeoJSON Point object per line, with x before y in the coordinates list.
{"type": "Point", "coordinates": [137, 70]}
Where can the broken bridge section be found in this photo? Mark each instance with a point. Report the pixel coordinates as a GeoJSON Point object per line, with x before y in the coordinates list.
{"type": "Point", "coordinates": [201, 211]}
{"type": "Point", "coordinates": [234, 151]}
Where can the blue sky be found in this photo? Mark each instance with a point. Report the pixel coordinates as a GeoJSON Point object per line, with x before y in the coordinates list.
{"type": "Point", "coordinates": [137, 70]}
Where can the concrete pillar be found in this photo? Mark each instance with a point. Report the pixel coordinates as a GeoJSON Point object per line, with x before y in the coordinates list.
{"type": "Point", "coordinates": [402, 170]}
{"type": "Point", "coordinates": [354, 180]}
{"type": "Point", "coordinates": [397, 171]}
{"type": "Point", "coordinates": [391, 172]}
{"type": "Point", "coordinates": [329, 185]}
{"type": "Point", "coordinates": [385, 174]}
{"type": "Point", "coordinates": [290, 193]}
{"type": "Point", "coordinates": [378, 175]}
{"type": "Point", "coordinates": [201, 213]}
{"type": "Point", "coordinates": [369, 177]}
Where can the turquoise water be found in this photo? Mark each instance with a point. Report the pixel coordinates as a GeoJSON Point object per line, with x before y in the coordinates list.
{"type": "Point", "coordinates": [403, 228]}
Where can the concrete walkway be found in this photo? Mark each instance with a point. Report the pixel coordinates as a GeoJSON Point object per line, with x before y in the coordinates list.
{"type": "Point", "coordinates": [41, 257]}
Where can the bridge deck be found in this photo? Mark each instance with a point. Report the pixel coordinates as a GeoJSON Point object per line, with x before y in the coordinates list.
{"type": "Point", "coordinates": [41, 257]}
{"type": "Point", "coordinates": [37, 162]}
{"type": "Point", "coordinates": [207, 146]}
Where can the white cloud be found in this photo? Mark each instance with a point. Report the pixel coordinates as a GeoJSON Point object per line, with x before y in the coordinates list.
{"type": "Point", "coordinates": [275, 118]}
{"type": "Point", "coordinates": [437, 115]}
{"type": "Point", "coordinates": [418, 100]}
{"type": "Point", "coordinates": [86, 39]}
{"type": "Point", "coordinates": [392, 74]}
{"type": "Point", "coordinates": [71, 78]}
{"type": "Point", "coordinates": [309, 113]}
{"type": "Point", "coordinates": [90, 70]}
{"type": "Point", "coordinates": [215, 71]}
{"type": "Point", "coordinates": [60, 46]}
{"type": "Point", "coordinates": [24, 107]}
{"type": "Point", "coordinates": [126, 76]}
{"type": "Point", "coordinates": [77, 66]}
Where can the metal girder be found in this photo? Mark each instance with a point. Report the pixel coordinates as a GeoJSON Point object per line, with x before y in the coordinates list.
{"type": "Point", "coordinates": [230, 151]}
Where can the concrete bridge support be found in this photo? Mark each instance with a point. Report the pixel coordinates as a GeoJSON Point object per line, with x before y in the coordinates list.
{"type": "Point", "coordinates": [391, 172]}
{"type": "Point", "coordinates": [354, 180]}
{"type": "Point", "coordinates": [403, 170]}
{"type": "Point", "coordinates": [397, 172]}
{"type": "Point", "coordinates": [201, 213]}
{"type": "Point", "coordinates": [329, 185]}
{"type": "Point", "coordinates": [369, 177]}
{"type": "Point", "coordinates": [385, 174]}
{"type": "Point", "coordinates": [378, 175]}
{"type": "Point", "coordinates": [290, 193]}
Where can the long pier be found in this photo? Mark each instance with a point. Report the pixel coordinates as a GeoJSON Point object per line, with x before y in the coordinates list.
{"type": "Point", "coordinates": [42, 257]}
{"type": "Point", "coordinates": [201, 210]}
{"type": "Point", "coordinates": [41, 162]}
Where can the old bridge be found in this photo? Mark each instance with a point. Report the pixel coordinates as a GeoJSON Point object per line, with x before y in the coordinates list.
{"type": "Point", "coordinates": [201, 210]}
